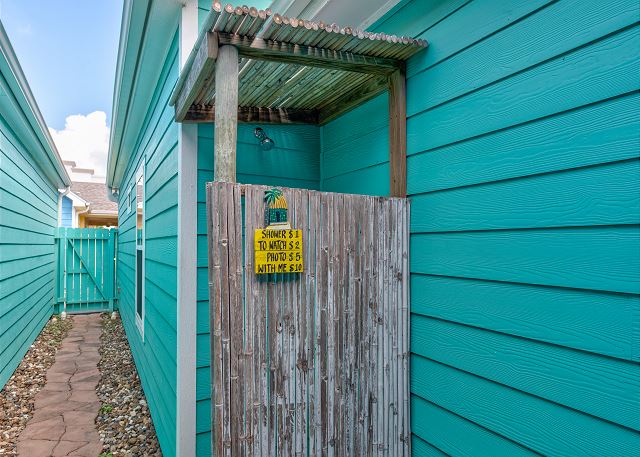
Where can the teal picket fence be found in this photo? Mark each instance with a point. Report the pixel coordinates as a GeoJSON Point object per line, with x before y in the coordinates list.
{"type": "Point", "coordinates": [85, 275]}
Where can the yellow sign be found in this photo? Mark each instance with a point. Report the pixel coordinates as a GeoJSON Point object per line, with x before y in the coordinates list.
{"type": "Point", "coordinates": [278, 251]}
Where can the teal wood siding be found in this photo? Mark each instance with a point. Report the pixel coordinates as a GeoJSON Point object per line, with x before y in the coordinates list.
{"type": "Point", "coordinates": [28, 217]}
{"type": "Point", "coordinates": [293, 162]}
{"type": "Point", "coordinates": [355, 150]}
{"type": "Point", "coordinates": [155, 357]}
{"type": "Point", "coordinates": [523, 146]}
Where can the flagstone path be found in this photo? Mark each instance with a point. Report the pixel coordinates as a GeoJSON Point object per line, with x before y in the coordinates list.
{"type": "Point", "coordinates": [63, 422]}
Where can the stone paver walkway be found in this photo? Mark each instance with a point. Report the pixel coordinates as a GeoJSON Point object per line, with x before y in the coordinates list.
{"type": "Point", "coordinates": [66, 408]}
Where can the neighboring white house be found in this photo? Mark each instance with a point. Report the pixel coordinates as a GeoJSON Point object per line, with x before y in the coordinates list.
{"type": "Point", "coordinates": [86, 203]}
{"type": "Point", "coordinates": [82, 174]}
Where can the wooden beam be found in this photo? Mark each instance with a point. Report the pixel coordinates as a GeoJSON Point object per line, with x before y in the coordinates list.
{"type": "Point", "coordinates": [352, 100]}
{"type": "Point", "coordinates": [274, 51]}
{"type": "Point", "coordinates": [206, 113]}
{"type": "Point", "coordinates": [398, 134]}
{"type": "Point", "coordinates": [226, 113]}
{"type": "Point", "coordinates": [199, 75]}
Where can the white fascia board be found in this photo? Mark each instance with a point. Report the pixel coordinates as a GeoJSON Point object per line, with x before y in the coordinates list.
{"type": "Point", "coordinates": [380, 13]}
{"type": "Point", "coordinates": [134, 16]}
{"type": "Point", "coordinates": [148, 28]}
{"type": "Point", "coordinates": [77, 200]}
{"type": "Point", "coordinates": [290, 8]}
{"type": "Point", "coordinates": [102, 212]}
{"type": "Point", "coordinates": [355, 13]}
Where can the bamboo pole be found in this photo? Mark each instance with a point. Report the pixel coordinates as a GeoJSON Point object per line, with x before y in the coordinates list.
{"type": "Point", "coordinates": [250, 17]}
{"type": "Point", "coordinates": [257, 24]}
{"type": "Point", "coordinates": [406, 338]}
{"type": "Point", "coordinates": [223, 18]}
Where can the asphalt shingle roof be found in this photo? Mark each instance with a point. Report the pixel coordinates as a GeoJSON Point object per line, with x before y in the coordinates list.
{"type": "Point", "coordinates": [95, 193]}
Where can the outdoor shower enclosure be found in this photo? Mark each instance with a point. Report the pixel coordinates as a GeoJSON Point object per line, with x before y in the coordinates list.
{"type": "Point", "coordinates": [312, 362]}
{"type": "Point", "coordinates": [242, 72]}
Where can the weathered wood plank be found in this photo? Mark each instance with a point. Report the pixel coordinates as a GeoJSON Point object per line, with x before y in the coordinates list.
{"type": "Point", "coordinates": [251, 337]}
{"type": "Point", "coordinates": [404, 330]}
{"type": "Point", "coordinates": [368, 319]}
{"type": "Point", "coordinates": [393, 330]}
{"type": "Point", "coordinates": [351, 327]}
{"type": "Point", "coordinates": [223, 246]}
{"type": "Point", "coordinates": [379, 341]}
{"type": "Point", "coordinates": [255, 194]}
{"type": "Point", "coordinates": [199, 75]}
{"type": "Point", "coordinates": [333, 282]}
{"type": "Point", "coordinates": [273, 312]}
{"type": "Point", "coordinates": [398, 134]}
{"type": "Point", "coordinates": [215, 293]}
{"type": "Point", "coordinates": [339, 303]}
{"type": "Point", "coordinates": [255, 115]}
{"type": "Point", "coordinates": [236, 324]}
{"type": "Point", "coordinates": [320, 318]}
{"type": "Point", "coordinates": [260, 49]}
{"type": "Point", "coordinates": [300, 318]}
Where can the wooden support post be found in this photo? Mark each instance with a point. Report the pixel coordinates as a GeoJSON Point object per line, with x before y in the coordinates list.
{"type": "Point", "coordinates": [398, 134]}
{"type": "Point", "coordinates": [226, 114]}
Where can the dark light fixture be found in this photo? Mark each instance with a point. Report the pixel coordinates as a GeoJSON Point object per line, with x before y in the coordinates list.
{"type": "Point", "coordinates": [266, 143]}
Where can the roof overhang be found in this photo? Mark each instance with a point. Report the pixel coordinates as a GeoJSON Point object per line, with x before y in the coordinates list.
{"type": "Point", "coordinates": [292, 70]}
{"type": "Point", "coordinates": [20, 110]}
{"type": "Point", "coordinates": [77, 200]}
{"type": "Point", "coordinates": [147, 29]}
{"type": "Point", "coordinates": [101, 213]}
{"type": "Point", "coordinates": [361, 13]}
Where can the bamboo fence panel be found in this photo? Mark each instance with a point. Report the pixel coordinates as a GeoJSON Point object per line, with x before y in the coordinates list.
{"type": "Point", "coordinates": [314, 363]}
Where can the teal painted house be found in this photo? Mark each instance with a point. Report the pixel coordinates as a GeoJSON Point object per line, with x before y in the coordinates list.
{"type": "Point", "coordinates": [523, 147]}
{"type": "Point", "coordinates": [31, 172]}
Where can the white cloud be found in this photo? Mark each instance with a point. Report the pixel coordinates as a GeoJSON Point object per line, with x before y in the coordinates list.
{"type": "Point", "coordinates": [85, 140]}
{"type": "Point", "coordinates": [25, 30]}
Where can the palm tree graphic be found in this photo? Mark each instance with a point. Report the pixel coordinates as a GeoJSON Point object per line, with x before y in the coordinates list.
{"type": "Point", "coordinates": [271, 196]}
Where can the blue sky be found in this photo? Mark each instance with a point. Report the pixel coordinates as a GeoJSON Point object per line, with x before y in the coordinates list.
{"type": "Point", "coordinates": [68, 51]}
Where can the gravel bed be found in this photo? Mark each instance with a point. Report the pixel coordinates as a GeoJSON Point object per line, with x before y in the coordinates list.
{"type": "Point", "coordinates": [124, 423]}
{"type": "Point", "coordinates": [17, 396]}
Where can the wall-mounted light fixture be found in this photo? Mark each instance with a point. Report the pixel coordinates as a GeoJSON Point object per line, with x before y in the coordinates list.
{"type": "Point", "coordinates": [266, 143]}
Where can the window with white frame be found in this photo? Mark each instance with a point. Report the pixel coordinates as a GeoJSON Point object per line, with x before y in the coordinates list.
{"type": "Point", "coordinates": [139, 268]}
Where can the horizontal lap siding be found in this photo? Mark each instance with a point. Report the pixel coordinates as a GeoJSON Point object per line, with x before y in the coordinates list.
{"type": "Point", "coordinates": [28, 217]}
{"type": "Point", "coordinates": [155, 357]}
{"type": "Point", "coordinates": [355, 150]}
{"type": "Point", "coordinates": [67, 212]}
{"type": "Point", "coordinates": [293, 162]}
{"type": "Point", "coordinates": [523, 145]}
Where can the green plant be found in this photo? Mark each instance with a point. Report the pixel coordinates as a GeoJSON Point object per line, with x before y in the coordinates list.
{"type": "Point", "coordinates": [106, 409]}
{"type": "Point", "coordinates": [106, 454]}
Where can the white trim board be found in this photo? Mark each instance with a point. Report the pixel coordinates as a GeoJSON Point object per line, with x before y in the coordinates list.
{"type": "Point", "coordinates": [187, 258]}
{"type": "Point", "coordinates": [140, 174]}
{"type": "Point", "coordinates": [360, 13]}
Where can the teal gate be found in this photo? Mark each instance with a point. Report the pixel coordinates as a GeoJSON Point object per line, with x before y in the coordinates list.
{"type": "Point", "coordinates": [85, 269]}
